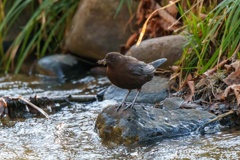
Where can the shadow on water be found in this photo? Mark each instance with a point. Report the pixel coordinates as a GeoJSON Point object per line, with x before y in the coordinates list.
{"type": "Point", "coordinates": [69, 133]}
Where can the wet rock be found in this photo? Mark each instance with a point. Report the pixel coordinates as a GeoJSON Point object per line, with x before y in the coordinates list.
{"type": "Point", "coordinates": [129, 126]}
{"type": "Point", "coordinates": [170, 47]}
{"type": "Point", "coordinates": [95, 31]}
{"type": "Point", "coordinates": [177, 102]}
{"type": "Point", "coordinates": [98, 71]}
{"type": "Point", "coordinates": [172, 103]}
{"type": "Point", "coordinates": [152, 92]}
{"type": "Point", "coordinates": [62, 66]}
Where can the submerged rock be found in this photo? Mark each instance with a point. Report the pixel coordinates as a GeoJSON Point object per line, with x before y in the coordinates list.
{"type": "Point", "coordinates": [62, 67]}
{"type": "Point", "coordinates": [129, 126]}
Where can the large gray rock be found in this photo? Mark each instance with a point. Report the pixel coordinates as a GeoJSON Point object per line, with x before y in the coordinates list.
{"type": "Point", "coordinates": [129, 126]}
{"type": "Point", "coordinates": [152, 92]}
{"type": "Point", "coordinates": [95, 31]}
{"type": "Point", "coordinates": [170, 47]}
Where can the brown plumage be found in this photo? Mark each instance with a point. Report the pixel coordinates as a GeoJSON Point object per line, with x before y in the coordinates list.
{"type": "Point", "coordinates": [129, 73]}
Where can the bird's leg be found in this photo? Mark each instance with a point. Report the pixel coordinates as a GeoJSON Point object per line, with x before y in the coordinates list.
{"type": "Point", "coordinates": [132, 104]}
{"type": "Point", "coordinates": [123, 101]}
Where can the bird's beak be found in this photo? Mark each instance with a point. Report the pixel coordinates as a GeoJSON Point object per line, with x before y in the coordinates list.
{"type": "Point", "coordinates": [103, 61]}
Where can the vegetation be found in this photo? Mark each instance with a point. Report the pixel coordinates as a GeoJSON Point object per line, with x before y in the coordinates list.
{"type": "Point", "coordinates": [213, 31]}
{"type": "Point", "coordinates": [213, 36]}
{"type": "Point", "coordinates": [42, 33]}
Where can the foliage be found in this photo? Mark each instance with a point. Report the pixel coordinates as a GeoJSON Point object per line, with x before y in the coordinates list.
{"type": "Point", "coordinates": [40, 35]}
{"type": "Point", "coordinates": [212, 37]}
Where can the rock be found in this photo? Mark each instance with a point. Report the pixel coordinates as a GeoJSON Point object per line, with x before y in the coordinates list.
{"type": "Point", "coordinates": [100, 71]}
{"type": "Point", "coordinates": [129, 126]}
{"type": "Point", "coordinates": [62, 66]}
{"type": "Point", "coordinates": [171, 103]}
{"type": "Point", "coordinates": [170, 47]}
{"type": "Point", "coordinates": [95, 31]}
{"type": "Point", "coordinates": [152, 92]}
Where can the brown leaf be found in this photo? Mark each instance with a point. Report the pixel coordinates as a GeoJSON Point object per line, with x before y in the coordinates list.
{"type": "Point", "coordinates": [168, 18]}
{"type": "Point", "coordinates": [192, 91]}
{"type": "Point", "coordinates": [214, 69]}
{"type": "Point", "coordinates": [233, 78]}
{"type": "Point", "coordinates": [228, 67]}
{"type": "Point", "coordinates": [175, 68]}
{"type": "Point", "coordinates": [189, 78]}
{"type": "Point", "coordinates": [203, 82]}
{"type": "Point", "coordinates": [236, 65]}
{"type": "Point", "coordinates": [236, 89]}
{"type": "Point", "coordinates": [3, 106]}
{"type": "Point", "coordinates": [227, 90]}
{"type": "Point", "coordinates": [140, 13]}
{"type": "Point", "coordinates": [172, 10]}
{"type": "Point", "coordinates": [3, 103]}
{"type": "Point", "coordinates": [219, 96]}
{"type": "Point", "coordinates": [131, 40]}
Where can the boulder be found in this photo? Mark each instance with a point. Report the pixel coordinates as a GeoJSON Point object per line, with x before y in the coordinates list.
{"type": "Point", "coordinates": [129, 126]}
{"type": "Point", "coordinates": [95, 31]}
{"type": "Point", "coordinates": [170, 47]}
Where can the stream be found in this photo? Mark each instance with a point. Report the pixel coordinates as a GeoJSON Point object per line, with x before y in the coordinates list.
{"type": "Point", "coordinates": [69, 133]}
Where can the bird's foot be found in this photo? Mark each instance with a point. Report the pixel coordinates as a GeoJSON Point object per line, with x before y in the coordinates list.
{"type": "Point", "coordinates": [119, 107]}
{"type": "Point", "coordinates": [129, 106]}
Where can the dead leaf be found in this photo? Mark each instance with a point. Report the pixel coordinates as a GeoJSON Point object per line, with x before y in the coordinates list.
{"type": "Point", "coordinates": [227, 90]}
{"type": "Point", "coordinates": [228, 67]}
{"type": "Point", "coordinates": [219, 96]}
{"type": "Point", "coordinates": [236, 90]}
{"type": "Point", "coordinates": [189, 78]}
{"type": "Point", "coordinates": [175, 68]}
{"type": "Point", "coordinates": [192, 91]}
{"type": "Point", "coordinates": [172, 10]}
{"type": "Point", "coordinates": [3, 106]}
{"type": "Point", "coordinates": [233, 78]}
{"type": "Point", "coordinates": [131, 40]}
{"type": "Point", "coordinates": [236, 65]}
{"type": "Point", "coordinates": [214, 69]}
{"type": "Point", "coordinates": [169, 19]}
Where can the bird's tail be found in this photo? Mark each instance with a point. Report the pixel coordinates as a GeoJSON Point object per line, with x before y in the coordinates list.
{"type": "Point", "coordinates": [158, 62]}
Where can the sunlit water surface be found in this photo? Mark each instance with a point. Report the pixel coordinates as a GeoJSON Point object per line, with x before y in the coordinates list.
{"type": "Point", "coordinates": [69, 133]}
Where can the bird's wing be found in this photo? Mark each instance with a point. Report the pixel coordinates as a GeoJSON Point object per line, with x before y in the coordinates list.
{"type": "Point", "coordinates": [148, 69]}
{"type": "Point", "coordinates": [141, 68]}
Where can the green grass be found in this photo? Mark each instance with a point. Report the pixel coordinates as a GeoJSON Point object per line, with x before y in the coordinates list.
{"type": "Point", "coordinates": [212, 39]}
{"type": "Point", "coordinates": [42, 34]}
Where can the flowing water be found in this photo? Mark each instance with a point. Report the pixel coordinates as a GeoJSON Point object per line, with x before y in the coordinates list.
{"type": "Point", "coordinates": [69, 133]}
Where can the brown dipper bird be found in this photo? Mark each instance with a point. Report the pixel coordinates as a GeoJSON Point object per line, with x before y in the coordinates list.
{"type": "Point", "coordinates": [129, 73]}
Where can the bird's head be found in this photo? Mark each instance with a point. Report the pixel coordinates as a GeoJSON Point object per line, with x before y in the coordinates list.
{"type": "Point", "coordinates": [111, 59]}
